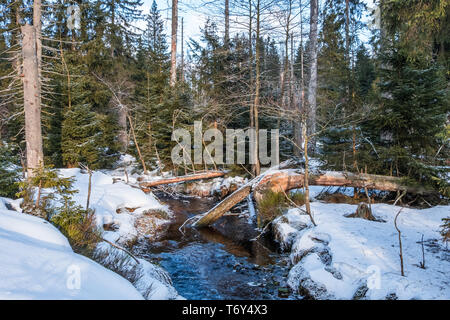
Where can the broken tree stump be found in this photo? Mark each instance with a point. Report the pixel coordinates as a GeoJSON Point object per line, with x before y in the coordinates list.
{"type": "Point", "coordinates": [363, 212]}
{"type": "Point", "coordinates": [192, 177]}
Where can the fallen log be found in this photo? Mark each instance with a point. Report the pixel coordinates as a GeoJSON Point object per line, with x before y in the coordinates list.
{"type": "Point", "coordinates": [285, 180]}
{"type": "Point", "coordinates": [192, 177]}
{"type": "Point", "coordinates": [219, 210]}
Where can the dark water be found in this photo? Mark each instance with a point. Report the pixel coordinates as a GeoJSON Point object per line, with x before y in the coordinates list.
{"type": "Point", "coordinates": [219, 262]}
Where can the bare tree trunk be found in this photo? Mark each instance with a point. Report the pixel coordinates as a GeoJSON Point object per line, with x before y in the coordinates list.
{"type": "Point", "coordinates": [32, 102]}
{"type": "Point", "coordinates": [306, 175]}
{"type": "Point", "coordinates": [284, 77]}
{"type": "Point", "coordinates": [312, 87]}
{"type": "Point", "coordinates": [250, 61]}
{"type": "Point", "coordinates": [37, 15]}
{"type": "Point", "coordinates": [227, 23]}
{"type": "Point", "coordinates": [298, 140]}
{"type": "Point", "coordinates": [123, 132]}
{"type": "Point", "coordinates": [137, 144]}
{"type": "Point", "coordinates": [182, 51]}
{"type": "Point", "coordinates": [257, 165]}
{"type": "Point", "coordinates": [173, 70]}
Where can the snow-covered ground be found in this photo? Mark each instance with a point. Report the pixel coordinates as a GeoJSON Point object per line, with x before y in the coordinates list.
{"type": "Point", "coordinates": [114, 203]}
{"type": "Point", "coordinates": [36, 259]}
{"type": "Point", "coordinates": [37, 262]}
{"type": "Point", "coordinates": [345, 258]}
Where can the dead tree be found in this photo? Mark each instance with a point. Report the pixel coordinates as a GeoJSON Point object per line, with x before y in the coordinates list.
{"type": "Point", "coordinates": [32, 99]}
{"type": "Point", "coordinates": [257, 165]}
{"type": "Point", "coordinates": [192, 177]}
{"type": "Point", "coordinates": [227, 23]}
{"type": "Point", "coordinates": [312, 86]}
{"type": "Point", "coordinates": [173, 69]}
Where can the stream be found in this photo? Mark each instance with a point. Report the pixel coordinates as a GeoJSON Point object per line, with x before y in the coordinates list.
{"type": "Point", "coordinates": [218, 262]}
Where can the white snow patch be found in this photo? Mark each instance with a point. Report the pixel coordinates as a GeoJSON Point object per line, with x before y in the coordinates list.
{"type": "Point", "coordinates": [36, 262]}
{"type": "Point", "coordinates": [368, 252]}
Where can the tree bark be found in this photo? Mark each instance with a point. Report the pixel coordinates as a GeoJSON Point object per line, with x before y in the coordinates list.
{"type": "Point", "coordinates": [288, 180]}
{"type": "Point", "coordinates": [173, 70]}
{"type": "Point", "coordinates": [298, 133]}
{"type": "Point", "coordinates": [37, 23]}
{"type": "Point", "coordinates": [257, 165]}
{"type": "Point", "coordinates": [312, 86]}
{"type": "Point", "coordinates": [32, 101]}
{"type": "Point", "coordinates": [123, 132]}
{"type": "Point", "coordinates": [227, 23]}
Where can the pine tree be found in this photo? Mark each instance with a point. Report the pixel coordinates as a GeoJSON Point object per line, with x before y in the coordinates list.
{"type": "Point", "coordinates": [412, 112]}
{"type": "Point", "coordinates": [80, 129]}
{"type": "Point", "coordinates": [152, 77]}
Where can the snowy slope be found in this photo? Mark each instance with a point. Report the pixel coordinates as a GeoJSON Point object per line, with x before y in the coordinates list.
{"type": "Point", "coordinates": [343, 257]}
{"type": "Point", "coordinates": [36, 259]}
{"type": "Point", "coordinates": [107, 197]}
{"type": "Point", "coordinates": [36, 262]}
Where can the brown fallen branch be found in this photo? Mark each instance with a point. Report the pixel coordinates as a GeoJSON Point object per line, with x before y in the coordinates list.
{"type": "Point", "coordinates": [192, 177]}
{"type": "Point", "coordinates": [218, 211]}
{"type": "Point", "coordinates": [286, 180]}
{"type": "Point", "coordinates": [121, 248]}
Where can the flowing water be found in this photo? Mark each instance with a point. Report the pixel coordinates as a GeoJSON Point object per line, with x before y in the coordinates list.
{"type": "Point", "coordinates": [219, 262]}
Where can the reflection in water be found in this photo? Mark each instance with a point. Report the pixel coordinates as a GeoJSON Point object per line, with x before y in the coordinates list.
{"type": "Point", "coordinates": [219, 262]}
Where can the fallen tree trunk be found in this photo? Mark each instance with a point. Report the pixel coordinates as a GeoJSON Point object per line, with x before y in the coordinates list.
{"type": "Point", "coordinates": [290, 179]}
{"type": "Point", "coordinates": [192, 177]}
{"type": "Point", "coordinates": [285, 180]}
{"type": "Point", "coordinates": [219, 210]}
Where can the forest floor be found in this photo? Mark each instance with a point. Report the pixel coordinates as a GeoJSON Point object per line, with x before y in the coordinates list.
{"type": "Point", "coordinates": [341, 258]}
{"type": "Point", "coordinates": [352, 258]}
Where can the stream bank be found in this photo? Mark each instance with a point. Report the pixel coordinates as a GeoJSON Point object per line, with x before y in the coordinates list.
{"type": "Point", "coordinates": [219, 262]}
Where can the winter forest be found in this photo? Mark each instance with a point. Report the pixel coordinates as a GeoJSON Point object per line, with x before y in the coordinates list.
{"type": "Point", "coordinates": [224, 149]}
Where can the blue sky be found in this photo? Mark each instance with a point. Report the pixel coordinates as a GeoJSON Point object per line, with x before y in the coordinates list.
{"type": "Point", "coordinates": [194, 16]}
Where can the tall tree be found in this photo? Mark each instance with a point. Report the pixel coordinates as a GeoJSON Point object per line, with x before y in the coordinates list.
{"type": "Point", "coordinates": [173, 70]}
{"type": "Point", "coordinates": [32, 101]}
{"type": "Point", "coordinates": [227, 22]}
{"type": "Point", "coordinates": [312, 85]}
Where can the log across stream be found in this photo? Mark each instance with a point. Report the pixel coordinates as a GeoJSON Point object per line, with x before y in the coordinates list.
{"type": "Point", "coordinates": [219, 262]}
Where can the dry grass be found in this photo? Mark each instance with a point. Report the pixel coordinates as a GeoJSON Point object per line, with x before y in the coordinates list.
{"type": "Point", "coordinates": [271, 206]}
{"type": "Point", "coordinates": [298, 198]}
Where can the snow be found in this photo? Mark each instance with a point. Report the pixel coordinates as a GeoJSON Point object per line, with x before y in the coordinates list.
{"type": "Point", "coordinates": [342, 255]}
{"type": "Point", "coordinates": [36, 262]}
{"type": "Point", "coordinates": [35, 257]}
{"type": "Point", "coordinates": [107, 197]}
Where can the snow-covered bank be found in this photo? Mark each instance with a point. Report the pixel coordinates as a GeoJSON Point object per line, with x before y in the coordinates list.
{"type": "Point", "coordinates": [37, 262]}
{"type": "Point", "coordinates": [116, 204]}
{"type": "Point", "coordinates": [346, 258]}
{"type": "Point", "coordinates": [128, 213]}
{"type": "Point", "coordinates": [122, 212]}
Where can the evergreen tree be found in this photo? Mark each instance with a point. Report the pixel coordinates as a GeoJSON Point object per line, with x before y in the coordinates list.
{"type": "Point", "coordinates": [412, 112]}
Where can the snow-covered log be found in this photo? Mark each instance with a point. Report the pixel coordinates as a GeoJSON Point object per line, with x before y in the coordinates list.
{"type": "Point", "coordinates": [284, 180]}
{"type": "Point", "coordinates": [192, 177]}
{"type": "Point", "coordinates": [290, 179]}
{"type": "Point", "coordinates": [219, 210]}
